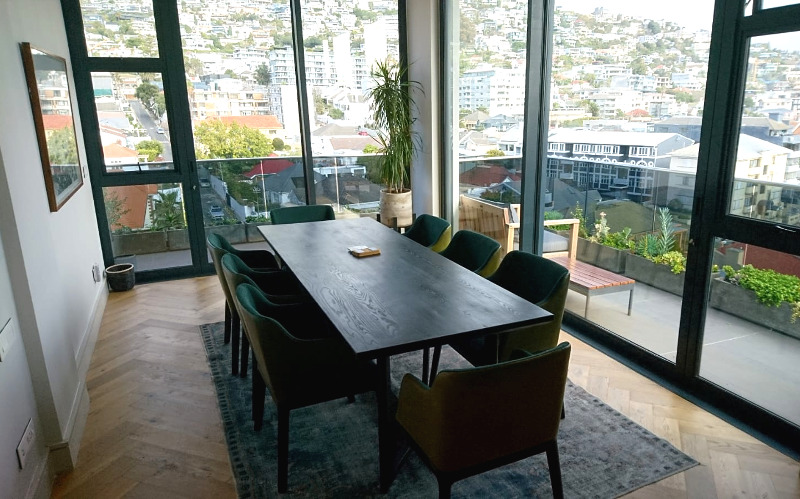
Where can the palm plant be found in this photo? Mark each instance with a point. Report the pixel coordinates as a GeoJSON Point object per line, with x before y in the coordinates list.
{"type": "Point", "coordinates": [392, 107]}
{"type": "Point", "coordinates": [167, 212]}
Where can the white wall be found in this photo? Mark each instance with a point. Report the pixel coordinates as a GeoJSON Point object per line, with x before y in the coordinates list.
{"type": "Point", "coordinates": [49, 256]}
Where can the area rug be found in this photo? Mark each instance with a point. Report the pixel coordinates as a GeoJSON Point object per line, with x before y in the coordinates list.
{"type": "Point", "coordinates": [333, 446]}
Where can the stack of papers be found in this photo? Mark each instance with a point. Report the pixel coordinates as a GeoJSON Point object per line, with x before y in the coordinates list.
{"type": "Point", "coordinates": [362, 251]}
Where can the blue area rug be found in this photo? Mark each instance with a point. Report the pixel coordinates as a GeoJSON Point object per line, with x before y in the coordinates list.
{"type": "Point", "coordinates": [333, 447]}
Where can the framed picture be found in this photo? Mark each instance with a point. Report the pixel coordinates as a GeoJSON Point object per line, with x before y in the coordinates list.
{"type": "Point", "coordinates": [51, 102]}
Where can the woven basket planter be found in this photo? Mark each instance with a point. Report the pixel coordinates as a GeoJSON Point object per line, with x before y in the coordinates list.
{"type": "Point", "coordinates": [120, 277]}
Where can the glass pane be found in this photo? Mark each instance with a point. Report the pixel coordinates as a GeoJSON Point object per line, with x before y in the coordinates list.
{"type": "Point", "coordinates": [767, 172]}
{"type": "Point", "coordinates": [751, 344]}
{"type": "Point", "coordinates": [340, 53]}
{"type": "Point", "coordinates": [490, 99]}
{"type": "Point", "coordinates": [243, 100]}
{"type": "Point", "coordinates": [131, 111]}
{"type": "Point", "coordinates": [769, 4]}
{"type": "Point", "coordinates": [148, 225]}
{"type": "Point", "coordinates": [119, 29]}
{"type": "Point", "coordinates": [625, 116]}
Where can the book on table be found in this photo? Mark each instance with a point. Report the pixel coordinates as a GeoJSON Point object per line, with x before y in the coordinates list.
{"type": "Point", "coordinates": [362, 251]}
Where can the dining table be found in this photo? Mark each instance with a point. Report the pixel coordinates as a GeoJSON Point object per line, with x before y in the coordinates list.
{"type": "Point", "coordinates": [403, 299]}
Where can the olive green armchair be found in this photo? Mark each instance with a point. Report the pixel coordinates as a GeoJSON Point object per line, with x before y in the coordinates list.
{"type": "Point", "coordinates": [300, 214]}
{"type": "Point", "coordinates": [474, 420]}
{"type": "Point", "coordinates": [430, 231]}
{"type": "Point", "coordinates": [298, 372]}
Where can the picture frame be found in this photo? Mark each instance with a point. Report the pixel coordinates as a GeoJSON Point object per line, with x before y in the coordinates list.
{"type": "Point", "coordinates": [51, 104]}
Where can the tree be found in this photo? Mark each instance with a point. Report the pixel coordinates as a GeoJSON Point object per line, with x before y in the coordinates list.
{"type": "Point", "coordinates": [638, 67]}
{"type": "Point", "coordinates": [146, 93]}
{"type": "Point", "coordinates": [167, 210]}
{"type": "Point", "coordinates": [115, 209]}
{"type": "Point", "coordinates": [220, 140]}
{"type": "Point", "coordinates": [370, 149]}
{"type": "Point", "coordinates": [263, 75]}
{"type": "Point", "coordinates": [277, 144]}
{"type": "Point", "coordinates": [336, 113]}
{"type": "Point", "coordinates": [493, 153]}
{"type": "Point", "coordinates": [312, 42]}
{"type": "Point", "coordinates": [61, 147]}
{"type": "Point", "coordinates": [152, 148]}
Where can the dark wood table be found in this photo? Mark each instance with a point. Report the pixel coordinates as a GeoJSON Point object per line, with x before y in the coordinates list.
{"type": "Point", "coordinates": [407, 298]}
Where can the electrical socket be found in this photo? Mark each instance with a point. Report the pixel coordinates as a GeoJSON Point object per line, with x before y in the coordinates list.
{"type": "Point", "coordinates": [25, 444]}
{"type": "Point", "coordinates": [6, 339]}
{"type": "Point", "coordinates": [96, 275]}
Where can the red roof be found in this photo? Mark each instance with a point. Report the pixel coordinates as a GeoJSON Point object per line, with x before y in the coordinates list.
{"type": "Point", "coordinates": [268, 167]}
{"type": "Point", "coordinates": [638, 113]}
{"type": "Point", "coordinates": [486, 175]}
{"type": "Point", "coordinates": [257, 122]}
{"type": "Point", "coordinates": [56, 121]}
{"type": "Point", "coordinates": [133, 198]}
{"type": "Point", "coordinates": [117, 151]}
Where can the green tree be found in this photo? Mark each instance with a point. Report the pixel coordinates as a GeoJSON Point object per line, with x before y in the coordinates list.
{"type": "Point", "coordinates": [263, 75]}
{"type": "Point", "coordinates": [493, 153]}
{"type": "Point", "coordinates": [220, 140]}
{"type": "Point", "coordinates": [115, 209]}
{"type": "Point", "coordinates": [370, 149]}
{"type": "Point", "coordinates": [152, 148]}
{"type": "Point", "coordinates": [167, 210]}
{"type": "Point", "coordinates": [312, 42]}
{"type": "Point", "coordinates": [61, 147]}
{"type": "Point", "coordinates": [277, 144]}
{"type": "Point", "coordinates": [336, 113]}
{"type": "Point", "coordinates": [638, 67]}
{"type": "Point", "coordinates": [146, 93]}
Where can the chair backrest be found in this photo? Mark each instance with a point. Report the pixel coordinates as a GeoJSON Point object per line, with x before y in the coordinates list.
{"type": "Point", "coordinates": [299, 214]}
{"type": "Point", "coordinates": [430, 231]}
{"type": "Point", "coordinates": [216, 246]}
{"type": "Point", "coordinates": [483, 414]}
{"type": "Point", "coordinates": [542, 282]}
{"type": "Point", "coordinates": [474, 251]}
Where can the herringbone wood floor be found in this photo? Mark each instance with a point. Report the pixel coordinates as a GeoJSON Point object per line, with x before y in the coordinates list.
{"type": "Point", "coordinates": [154, 428]}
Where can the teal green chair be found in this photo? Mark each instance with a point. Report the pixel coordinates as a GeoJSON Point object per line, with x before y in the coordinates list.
{"type": "Point", "coordinates": [299, 214]}
{"type": "Point", "coordinates": [473, 420]}
{"type": "Point", "coordinates": [542, 282]}
{"type": "Point", "coordinates": [474, 251]}
{"type": "Point", "coordinates": [430, 231]}
{"type": "Point", "coordinates": [218, 246]}
{"type": "Point", "coordinates": [281, 287]}
{"type": "Point", "coordinates": [299, 372]}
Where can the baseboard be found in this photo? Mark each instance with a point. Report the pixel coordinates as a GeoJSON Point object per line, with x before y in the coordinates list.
{"type": "Point", "coordinates": [63, 455]}
{"type": "Point", "coordinates": [42, 484]}
{"type": "Point", "coordinates": [83, 356]}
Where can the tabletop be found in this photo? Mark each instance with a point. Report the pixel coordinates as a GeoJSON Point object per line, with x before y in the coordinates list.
{"type": "Point", "coordinates": [404, 299]}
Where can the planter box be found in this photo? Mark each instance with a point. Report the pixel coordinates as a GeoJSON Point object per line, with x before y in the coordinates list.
{"type": "Point", "coordinates": [139, 243]}
{"type": "Point", "coordinates": [654, 274]}
{"type": "Point", "coordinates": [741, 302]}
{"type": "Point", "coordinates": [601, 256]}
{"type": "Point", "coordinates": [177, 239]}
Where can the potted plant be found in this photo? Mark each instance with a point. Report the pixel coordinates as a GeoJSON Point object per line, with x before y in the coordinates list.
{"type": "Point", "coordinates": [392, 106]}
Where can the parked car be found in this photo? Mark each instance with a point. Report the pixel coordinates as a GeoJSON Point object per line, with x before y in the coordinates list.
{"type": "Point", "coordinates": [204, 182]}
{"type": "Point", "coordinates": [216, 212]}
{"type": "Point", "coordinates": [160, 130]}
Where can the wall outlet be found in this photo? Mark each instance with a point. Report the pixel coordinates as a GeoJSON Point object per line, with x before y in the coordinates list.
{"type": "Point", "coordinates": [26, 444]}
{"type": "Point", "coordinates": [6, 339]}
{"type": "Point", "coordinates": [96, 274]}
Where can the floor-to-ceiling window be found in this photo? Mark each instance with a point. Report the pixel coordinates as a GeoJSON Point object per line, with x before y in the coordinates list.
{"type": "Point", "coordinates": [198, 121]}
{"type": "Point", "coordinates": [674, 147]}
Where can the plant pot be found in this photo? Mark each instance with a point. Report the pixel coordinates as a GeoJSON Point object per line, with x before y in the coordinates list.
{"type": "Point", "coordinates": [120, 277]}
{"type": "Point", "coordinates": [396, 206]}
{"type": "Point", "coordinates": [742, 303]}
{"type": "Point", "coordinates": [654, 274]}
{"type": "Point", "coordinates": [601, 255]}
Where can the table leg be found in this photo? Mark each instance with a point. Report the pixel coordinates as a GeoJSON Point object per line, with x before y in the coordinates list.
{"type": "Point", "coordinates": [385, 434]}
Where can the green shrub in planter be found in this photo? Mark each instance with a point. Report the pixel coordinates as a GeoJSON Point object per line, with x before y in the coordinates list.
{"type": "Point", "coordinates": [673, 259]}
{"type": "Point", "coordinates": [771, 288]}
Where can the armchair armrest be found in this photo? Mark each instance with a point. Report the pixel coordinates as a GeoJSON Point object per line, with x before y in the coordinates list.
{"type": "Point", "coordinates": [574, 225]}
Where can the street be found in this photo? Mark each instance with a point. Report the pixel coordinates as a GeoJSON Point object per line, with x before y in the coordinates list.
{"type": "Point", "coordinates": [152, 127]}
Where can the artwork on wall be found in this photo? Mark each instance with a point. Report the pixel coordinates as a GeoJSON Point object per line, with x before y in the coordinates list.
{"type": "Point", "coordinates": [51, 103]}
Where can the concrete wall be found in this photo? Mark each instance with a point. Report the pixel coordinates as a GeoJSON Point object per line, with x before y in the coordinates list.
{"type": "Point", "coordinates": [48, 257]}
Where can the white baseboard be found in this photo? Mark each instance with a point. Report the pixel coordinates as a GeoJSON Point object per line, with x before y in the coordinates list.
{"type": "Point", "coordinates": [42, 483]}
{"type": "Point", "coordinates": [83, 356]}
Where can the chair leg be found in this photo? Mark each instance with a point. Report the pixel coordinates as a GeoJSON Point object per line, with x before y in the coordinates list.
{"type": "Point", "coordinates": [245, 346]}
{"type": "Point", "coordinates": [444, 488]}
{"type": "Point", "coordinates": [283, 450]}
{"type": "Point", "coordinates": [227, 336]}
{"type": "Point", "coordinates": [555, 470]}
{"type": "Point", "coordinates": [235, 335]}
{"type": "Point", "coordinates": [258, 396]}
{"type": "Point", "coordinates": [426, 358]}
{"type": "Point", "coordinates": [437, 351]}
{"type": "Point", "coordinates": [563, 412]}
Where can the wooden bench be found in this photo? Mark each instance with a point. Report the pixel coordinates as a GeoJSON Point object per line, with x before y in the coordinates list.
{"type": "Point", "coordinates": [585, 278]}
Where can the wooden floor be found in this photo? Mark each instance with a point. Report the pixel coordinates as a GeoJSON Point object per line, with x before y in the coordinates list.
{"type": "Point", "coordinates": [154, 428]}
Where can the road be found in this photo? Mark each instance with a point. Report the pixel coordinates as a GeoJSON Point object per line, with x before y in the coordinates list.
{"type": "Point", "coordinates": [151, 126]}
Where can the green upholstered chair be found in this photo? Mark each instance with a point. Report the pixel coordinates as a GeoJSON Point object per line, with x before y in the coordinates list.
{"type": "Point", "coordinates": [218, 246]}
{"type": "Point", "coordinates": [298, 372]}
{"type": "Point", "coordinates": [538, 280]}
{"type": "Point", "coordinates": [474, 251]}
{"type": "Point", "coordinates": [473, 420]}
{"type": "Point", "coordinates": [430, 231]}
{"type": "Point", "coordinates": [281, 288]}
{"type": "Point", "coordinates": [299, 214]}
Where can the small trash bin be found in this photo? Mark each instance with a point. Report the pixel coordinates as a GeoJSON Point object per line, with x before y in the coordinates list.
{"type": "Point", "coordinates": [120, 277]}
